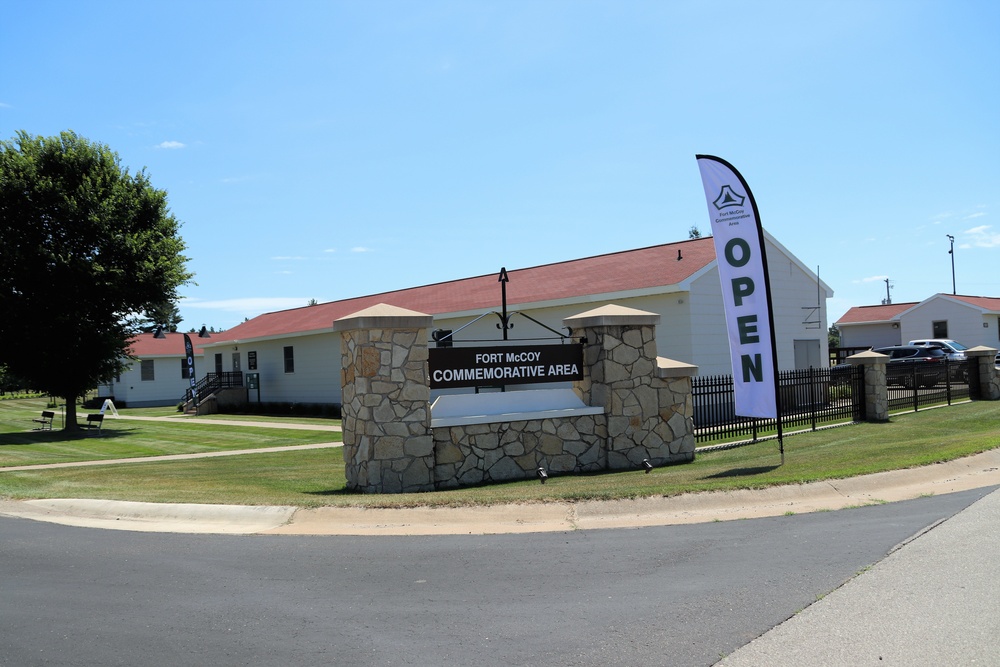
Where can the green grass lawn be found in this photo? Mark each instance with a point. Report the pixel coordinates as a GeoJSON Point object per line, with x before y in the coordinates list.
{"type": "Point", "coordinates": [122, 438]}
{"type": "Point", "coordinates": [316, 477]}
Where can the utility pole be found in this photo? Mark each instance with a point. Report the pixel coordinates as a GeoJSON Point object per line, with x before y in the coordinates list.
{"type": "Point", "coordinates": [951, 252]}
{"type": "Point", "coordinates": [888, 299]}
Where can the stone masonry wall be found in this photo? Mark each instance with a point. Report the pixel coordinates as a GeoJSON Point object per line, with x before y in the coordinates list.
{"type": "Point", "coordinates": [503, 451]}
{"type": "Point", "coordinates": [386, 407]}
{"type": "Point", "coordinates": [648, 401]}
{"type": "Point", "coordinates": [390, 447]}
{"type": "Point", "coordinates": [983, 358]}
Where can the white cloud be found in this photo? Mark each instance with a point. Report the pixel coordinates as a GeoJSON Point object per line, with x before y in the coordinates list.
{"type": "Point", "coordinates": [330, 250]}
{"type": "Point", "coordinates": [872, 279]}
{"type": "Point", "coordinates": [982, 236]}
{"type": "Point", "coordinates": [975, 215]}
{"type": "Point", "coordinates": [4, 105]}
{"type": "Point", "coordinates": [289, 258]}
{"type": "Point", "coordinates": [360, 249]}
{"type": "Point", "coordinates": [261, 304]}
{"type": "Point", "coordinates": [170, 145]}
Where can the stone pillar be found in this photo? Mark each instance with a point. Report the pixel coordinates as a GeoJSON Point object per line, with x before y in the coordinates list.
{"type": "Point", "coordinates": [876, 388]}
{"type": "Point", "coordinates": [647, 400]}
{"type": "Point", "coordinates": [388, 446]}
{"type": "Point", "coordinates": [982, 366]}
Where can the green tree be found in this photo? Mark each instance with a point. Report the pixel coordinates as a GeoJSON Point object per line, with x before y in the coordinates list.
{"type": "Point", "coordinates": [167, 315]}
{"type": "Point", "coordinates": [694, 232]}
{"type": "Point", "coordinates": [833, 336]}
{"type": "Point", "coordinates": [86, 249]}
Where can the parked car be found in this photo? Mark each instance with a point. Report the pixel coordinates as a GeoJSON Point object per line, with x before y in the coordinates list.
{"type": "Point", "coordinates": [955, 352]}
{"type": "Point", "coordinates": [907, 364]}
{"type": "Point", "coordinates": [954, 349]}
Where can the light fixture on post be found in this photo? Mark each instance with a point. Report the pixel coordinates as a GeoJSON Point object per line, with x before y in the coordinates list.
{"type": "Point", "coordinates": [542, 475]}
{"type": "Point", "coordinates": [951, 251]}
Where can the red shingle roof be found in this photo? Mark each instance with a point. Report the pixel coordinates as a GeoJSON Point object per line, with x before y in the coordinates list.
{"type": "Point", "coordinates": [656, 266]}
{"type": "Point", "coordinates": [990, 303]}
{"type": "Point", "coordinates": [145, 346]}
{"type": "Point", "coordinates": [871, 314]}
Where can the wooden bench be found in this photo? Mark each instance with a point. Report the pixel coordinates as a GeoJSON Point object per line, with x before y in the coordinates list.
{"type": "Point", "coordinates": [45, 421]}
{"type": "Point", "coordinates": [94, 422]}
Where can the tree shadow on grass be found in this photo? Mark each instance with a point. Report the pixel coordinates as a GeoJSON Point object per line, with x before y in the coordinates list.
{"type": "Point", "coordinates": [58, 435]}
{"type": "Point", "coordinates": [742, 472]}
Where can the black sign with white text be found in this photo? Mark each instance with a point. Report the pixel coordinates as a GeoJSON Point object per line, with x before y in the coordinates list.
{"type": "Point", "coordinates": [453, 367]}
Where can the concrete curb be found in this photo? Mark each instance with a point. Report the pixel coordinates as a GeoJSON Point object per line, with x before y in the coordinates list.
{"type": "Point", "coordinates": [979, 471]}
{"type": "Point", "coordinates": [151, 517]}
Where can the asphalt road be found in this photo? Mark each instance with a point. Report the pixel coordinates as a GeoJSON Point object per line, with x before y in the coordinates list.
{"type": "Point", "coordinates": [673, 595]}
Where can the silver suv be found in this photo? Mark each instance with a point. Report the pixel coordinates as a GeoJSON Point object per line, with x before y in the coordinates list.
{"type": "Point", "coordinates": [954, 349]}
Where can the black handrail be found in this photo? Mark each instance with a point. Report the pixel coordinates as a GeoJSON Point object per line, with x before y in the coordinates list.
{"type": "Point", "coordinates": [213, 382]}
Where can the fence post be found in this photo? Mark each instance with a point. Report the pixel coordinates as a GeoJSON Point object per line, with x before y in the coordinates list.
{"type": "Point", "coordinates": [876, 389]}
{"type": "Point", "coordinates": [812, 397]}
{"type": "Point", "coordinates": [989, 380]}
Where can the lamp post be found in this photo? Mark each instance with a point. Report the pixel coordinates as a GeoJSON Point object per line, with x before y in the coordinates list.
{"type": "Point", "coordinates": [951, 251]}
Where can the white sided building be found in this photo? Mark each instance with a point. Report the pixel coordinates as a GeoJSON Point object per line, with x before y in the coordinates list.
{"type": "Point", "coordinates": [158, 375]}
{"type": "Point", "coordinates": [295, 353]}
{"type": "Point", "coordinates": [970, 320]}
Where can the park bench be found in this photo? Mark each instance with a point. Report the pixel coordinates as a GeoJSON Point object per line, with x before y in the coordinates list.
{"type": "Point", "coordinates": [94, 422]}
{"type": "Point", "coordinates": [45, 421]}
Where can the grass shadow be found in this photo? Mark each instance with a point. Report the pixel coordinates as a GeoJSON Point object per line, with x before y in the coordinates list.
{"type": "Point", "coordinates": [742, 472]}
{"type": "Point", "coordinates": [57, 435]}
{"type": "Point", "coordinates": [334, 492]}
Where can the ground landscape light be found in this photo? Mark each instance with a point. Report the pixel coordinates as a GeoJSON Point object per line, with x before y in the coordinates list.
{"type": "Point", "coordinates": [542, 475]}
{"type": "Point", "coordinates": [647, 465]}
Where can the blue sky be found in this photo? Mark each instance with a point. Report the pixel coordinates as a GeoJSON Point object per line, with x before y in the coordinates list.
{"type": "Point", "coordinates": [324, 150]}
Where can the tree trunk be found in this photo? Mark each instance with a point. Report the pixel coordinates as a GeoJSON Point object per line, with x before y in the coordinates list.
{"type": "Point", "coordinates": [71, 424]}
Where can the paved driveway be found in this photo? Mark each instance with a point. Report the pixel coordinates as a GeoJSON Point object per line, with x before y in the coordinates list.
{"type": "Point", "coordinates": [673, 595]}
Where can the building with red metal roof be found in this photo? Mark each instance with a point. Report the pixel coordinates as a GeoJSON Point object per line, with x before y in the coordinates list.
{"type": "Point", "coordinates": [296, 357]}
{"type": "Point", "coordinates": [295, 353]}
{"type": "Point", "coordinates": [970, 320]}
{"type": "Point", "coordinates": [159, 374]}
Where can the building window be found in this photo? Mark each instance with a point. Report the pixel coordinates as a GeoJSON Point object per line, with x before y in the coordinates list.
{"type": "Point", "coordinates": [218, 363]}
{"type": "Point", "coordinates": [146, 370]}
{"type": "Point", "coordinates": [940, 329]}
{"type": "Point", "coordinates": [289, 360]}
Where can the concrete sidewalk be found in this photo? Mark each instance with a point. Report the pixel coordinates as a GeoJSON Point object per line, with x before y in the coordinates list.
{"type": "Point", "coordinates": [231, 422]}
{"type": "Point", "coordinates": [933, 601]}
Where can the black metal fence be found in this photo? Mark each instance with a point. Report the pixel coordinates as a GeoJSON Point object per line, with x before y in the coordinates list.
{"type": "Point", "coordinates": [816, 397]}
{"type": "Point", "coordinates": [913, 386]}
{"type": "Point", "coordinates": [809, 398]}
